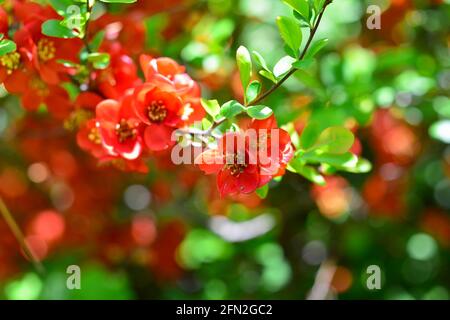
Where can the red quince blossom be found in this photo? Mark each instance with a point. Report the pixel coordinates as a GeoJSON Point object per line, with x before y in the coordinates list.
{"type": "Point", "coordinates": [89, 139]}
{"type": "Point", "coordinates": [166, 70]}
{"type": "Point", "coordinates": [120, 130]}
{"type": "Point", "coordinates": [169, 99]}
{"type": "Point", "coordinates": [121, 74]}
{"type": "Point", "coordinates": [160, 109]}
{"type": "Point", "coordinates": [35, 92]}
{"type": "Point", "coordinates": [46, 51]}
{"type": "Point", "coordinates": [15, 66]}
{"type": "Point", "coordinates": [244, 162]}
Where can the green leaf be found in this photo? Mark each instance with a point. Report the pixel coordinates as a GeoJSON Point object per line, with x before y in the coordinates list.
{"type": "Point", "coordinates": [310, 135]}
{"type": "Point", "coordinates": [212, 107]}
{"type": "Point", "coordinates": [268, 75]}
{"type": "Point", "coordinates": [260, 60]}
{"type": "Point", "coordinates": [344, 160]}
{"type": "Point", "coordinates": [60, 6]}
{"type": "Point", "coordinates": [362, 166]}
{"type": "Point", "coordinates": [118, 1]}
{"type": "Point", "coordinates": [303, 64]}
{"type": "Point", "coordinates": [68, 63]}
{"type": "Point", "coordinates": [97, 41]}
{"type": "Point", "coordinates": [316, 47]}
{"type": "Point", "coordinates": [253, 90]}
{"type": "Point", "coordinates": [231, 109]}
{"type": "Point", "coordinates": [318, 4]}
{"type": "Point", "coordinates": [300, 6]}
{"type": "Point", "coordinates": [99, 60]}
{"type": "Point", "coordinates": [308, 172]}
{"type": "Point", "coordinates": [263, 191]}
{"type": "Point", "coordinates": [206, 124]}
{"type": "Point", "coordinates": [335, 140]}
{"type": "Point", "coordinates": [7, 46]}
{"type": "Point", "coordinates": [283, 66]}
{"type": "Point", "coordinates": [53, 28]}
{"type": "Point", "coordinates": [291, 33]}
{"type": "Point", "coordinates": [244, 62]}
{"type": "Point", "coordinates": [259, 112]}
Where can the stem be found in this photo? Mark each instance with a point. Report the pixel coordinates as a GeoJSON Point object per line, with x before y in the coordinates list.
{"type": "Point", "coordinates": [15, 229]}
{"type": "Point", "coordinates": [293, 70]}
{"type": "Point", "coordinates": [86, 26]}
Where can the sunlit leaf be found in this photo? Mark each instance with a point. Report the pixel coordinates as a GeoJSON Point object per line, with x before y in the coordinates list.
{"type": "Point", "coordinates": [259, 112]}
{"type": "Point", "coordinates": [291, 33]}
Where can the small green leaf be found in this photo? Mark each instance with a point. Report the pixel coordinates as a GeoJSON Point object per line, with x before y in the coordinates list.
{"type": "Point", "coordinates": [244, 63]}
{"type": "Point", "coordinates": [318, 4]}
{"type": "Point", "coordinates": [263, 191]}
{"type": "Point", "coordinates": [303, 64]}
{"type": "Point", "coordinates": [99, 60]}
{"type": "Point", "coordinates": [300, 6]}
{"type": "Point", "coordinates": [97, 40]}
{"type": "Point", "coordinates": [268, 75]}
{"type": "Point", "coordinates": [231, 109]}
{"type": "Point", "coordinates": [309, 135]}
{"type": "Point", "coordinates": [260, 60]}
{"type": "Point", "coordinates": [291, 33]}
{"type": "Point", "coordinates": [315, 48]}
{"type": "Point", "coordinates": [206, 124]}
{"type": "Point", "coordinates": [362, 166]}
{"type": "Point", "coordinates": [68, 63]}
{"type": "Point", "coordinates": [344, 160]}
{"type": "Point", "coordinates": [259, 112]}
{"type": "Point", "coordinates": [212, 107]}
{"type": "Point", "coordinates": [53, 28]}
{"type": "Point", "coordinates": [253, 90]}
{"type": "Point", "coordinates": [7, 46]}
{"type": "Point", "coordinates": [335, 140]}
{"type": "Point", "coordinates": [308, 172]}
{"type": "Point", "coordinates": [283, 66]}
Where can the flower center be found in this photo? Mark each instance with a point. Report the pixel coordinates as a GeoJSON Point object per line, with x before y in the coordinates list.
{"type": "Point", "coordinates": [237, 166]}
{"type": "Point", "coordinates": [46, 49]}
{"type": "Point", "coordinates": [125, 131]}
{"type": "Point", "coordinates": [94, 136]}
{"type": "Point", "coordinates": [10, 61]}
{"type": "Point", "coordinates": [40, 87]}
{"type": "Point", "coordinates": [157, 111]}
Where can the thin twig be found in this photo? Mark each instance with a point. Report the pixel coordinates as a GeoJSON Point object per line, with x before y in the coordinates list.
{"type": "Point", "coordinates": [86, 27]}
{"type": "Point", "coordinates": [15, 229]}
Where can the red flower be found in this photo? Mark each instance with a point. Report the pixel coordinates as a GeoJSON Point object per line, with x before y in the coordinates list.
{"type": "Point", "coordinates": [167, 71]}
{"type": "Point", "coordinates": [15, 66]}
{"type": "Point", "coordinates": [119, 76]}
{"type": "Point", "coordinates": [89, 139]}
{"type": "Point", "coordinates": [4, 25]}
{"type": "Point", "coordinates": [161, 111]}
{"type": "Point", "coordinates": [46, 51]}
{"type": "Point", "coordinates": [36, 92]}
{"type": "Point", "coordinates": [248, 160]}
{"type": "Point", "coordinates": [119, 129]}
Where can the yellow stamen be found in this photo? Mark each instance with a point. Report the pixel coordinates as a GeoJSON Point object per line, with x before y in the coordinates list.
{"type": "Point", "coordinates": [46, 49]}
{"type": "Point", "coordinates": [10, 61]}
